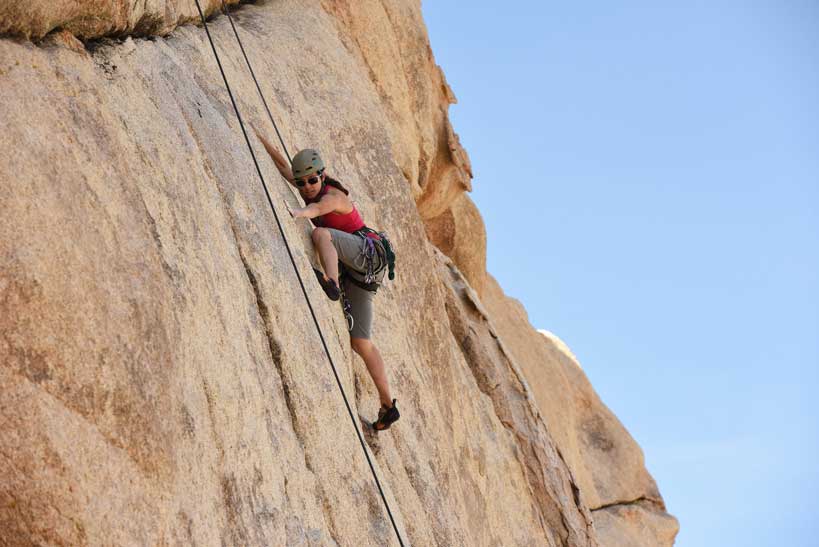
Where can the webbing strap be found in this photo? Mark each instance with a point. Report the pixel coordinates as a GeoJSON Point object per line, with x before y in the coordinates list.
{"type": "Point", "coordinates": [290, 253]}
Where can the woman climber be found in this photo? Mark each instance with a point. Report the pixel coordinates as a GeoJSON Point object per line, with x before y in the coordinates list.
{"type": "Point", "coordinates": [354, 258]}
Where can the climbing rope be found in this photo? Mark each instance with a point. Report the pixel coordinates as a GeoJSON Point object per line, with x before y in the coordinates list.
{"type": "Point", "coordinates": [287, 244]}
{"type": "Point", "coordinates": [255, 81]}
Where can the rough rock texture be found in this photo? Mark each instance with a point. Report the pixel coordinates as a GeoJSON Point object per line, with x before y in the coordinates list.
{"type": "Point", "coordinates": [86, 19]}
{"type": "Point", "coordinates": [640, 523]}
{"type": "Point", "coordinates": [161, 381]}
{"type": "Point", "coordinates": [604, 459]}
{"type": "Point", "coordinates": [390, 39]}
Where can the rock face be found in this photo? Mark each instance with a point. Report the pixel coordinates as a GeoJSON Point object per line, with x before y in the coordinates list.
{"type": "Point", "coordinates": [88, 19]}
{"type": "Point", "coordinates": [161, 380]}
{"type": "Point", "coordinates": [604, 460]}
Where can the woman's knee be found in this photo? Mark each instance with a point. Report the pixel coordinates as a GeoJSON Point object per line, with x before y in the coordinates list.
{"type": "Point", "coordinates": [320, 235]}
{"type": "Point", "coordinates": [361, 345]}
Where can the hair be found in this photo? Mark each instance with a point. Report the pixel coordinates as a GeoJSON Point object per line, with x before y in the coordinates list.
{"type": "Point", "coordinates": [329, 181]}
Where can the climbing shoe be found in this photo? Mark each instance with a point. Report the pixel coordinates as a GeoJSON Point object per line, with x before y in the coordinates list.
{"type": "Point", "coordinates": [329, 286]}
{"type": "Point", "coordinates": [386, 417]}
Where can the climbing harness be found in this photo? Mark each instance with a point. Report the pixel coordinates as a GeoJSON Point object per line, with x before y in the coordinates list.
{"type": "Point", "coordinates": [284, 238]}
{"type": "Point", "coordinates": [389, 255]}
{"type": "Point", "coordinates": [369, 253]}
{"type": "Point", "coordinates": [378, 256]}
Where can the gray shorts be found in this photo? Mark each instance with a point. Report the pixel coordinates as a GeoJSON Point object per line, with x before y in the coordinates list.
{"type": "Point", "coordinates": [350, 249]}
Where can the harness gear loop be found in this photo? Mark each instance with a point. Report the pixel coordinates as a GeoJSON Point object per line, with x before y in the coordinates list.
{"type": "Point", "coordinates": [345, 302]}
{"type": "Point", "coordinates": [388, 253]}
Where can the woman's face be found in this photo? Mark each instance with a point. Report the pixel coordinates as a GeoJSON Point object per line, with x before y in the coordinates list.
{"type": "Point", "coordinates": [312, 185]}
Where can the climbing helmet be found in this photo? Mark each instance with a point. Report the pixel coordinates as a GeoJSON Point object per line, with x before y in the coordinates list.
{"type": "Point", "coordinates": [307, 162]}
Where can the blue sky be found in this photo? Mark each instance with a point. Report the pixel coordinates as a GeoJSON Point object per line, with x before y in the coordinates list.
{"type": "Point", "coordinates": [649, 178]}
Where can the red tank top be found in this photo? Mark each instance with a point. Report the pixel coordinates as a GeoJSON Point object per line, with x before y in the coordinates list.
{"type": "Point", "coordinates": [347, 222]}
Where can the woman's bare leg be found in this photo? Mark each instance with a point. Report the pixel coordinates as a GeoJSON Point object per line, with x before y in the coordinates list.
{"type": "Point", "coordinates": [375, 365]}
{"type": "Point", "coordinates": [327, 253]}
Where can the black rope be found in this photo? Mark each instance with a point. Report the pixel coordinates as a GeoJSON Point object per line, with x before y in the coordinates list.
{"type": "Point", "coordinates": [258, 88]}
{"type": "Point", "coordinates": [293, 262]}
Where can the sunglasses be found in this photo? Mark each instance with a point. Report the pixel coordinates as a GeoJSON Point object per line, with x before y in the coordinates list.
{"type": "Point", "coordinates": [312, 180]}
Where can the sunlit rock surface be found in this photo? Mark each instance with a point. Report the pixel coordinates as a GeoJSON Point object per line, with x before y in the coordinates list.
{"type": "Point", "coordinates": [161, 381]}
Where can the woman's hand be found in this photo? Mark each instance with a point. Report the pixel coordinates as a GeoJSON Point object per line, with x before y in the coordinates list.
{"type": "Point", "coordinates": [296, 212]}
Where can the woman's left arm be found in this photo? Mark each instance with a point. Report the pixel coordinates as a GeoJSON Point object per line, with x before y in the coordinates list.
{"type": "Point", "coordinates": [327, 204]}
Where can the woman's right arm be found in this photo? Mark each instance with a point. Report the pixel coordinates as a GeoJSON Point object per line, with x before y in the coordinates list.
{"type": "Point", "coordinates": [278, 159]}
